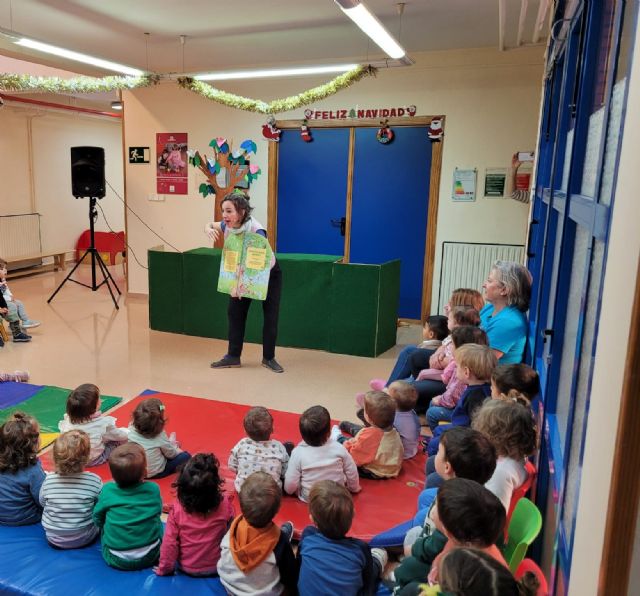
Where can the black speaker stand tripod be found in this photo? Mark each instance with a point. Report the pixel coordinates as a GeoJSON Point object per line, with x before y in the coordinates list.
{"type": "Point", "coordinates": [95, 258]}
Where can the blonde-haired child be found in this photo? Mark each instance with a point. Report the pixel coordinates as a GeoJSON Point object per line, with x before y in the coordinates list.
{"type": "Point", "coordinates": [147, 430]}
{"type": "Point", "coordinates": [83, 413]}
{"type": "Point", "coordinates": [21, 473]}
{"type": "Point", "coordinates": [475, 364]}
{"type": "Point", "coordinates": [510, 426]}
{"type": "Point", "coordinates": [69, 494]}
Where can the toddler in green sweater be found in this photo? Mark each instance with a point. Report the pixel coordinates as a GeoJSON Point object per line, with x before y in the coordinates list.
{"type": "Point", "coordinates": [128, 512]}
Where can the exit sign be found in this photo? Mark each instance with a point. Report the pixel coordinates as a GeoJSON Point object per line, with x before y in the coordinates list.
{"type": "Point", "coordinates": [139, 154]}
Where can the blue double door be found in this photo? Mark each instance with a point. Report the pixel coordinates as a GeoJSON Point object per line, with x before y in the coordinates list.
{"type": "Point", "coordinates": [389, 205]}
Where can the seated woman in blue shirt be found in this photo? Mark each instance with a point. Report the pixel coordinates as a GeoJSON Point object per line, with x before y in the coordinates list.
{"type": "Point", "coordinates": [507, 291]}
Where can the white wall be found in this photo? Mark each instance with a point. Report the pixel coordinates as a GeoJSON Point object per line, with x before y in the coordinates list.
{"type": "Point", "coordinates": [611, 351]}
{"type": "Point", "coordinates": [490, 100]}
{"type": "Point", "coordinates": [48, 190]}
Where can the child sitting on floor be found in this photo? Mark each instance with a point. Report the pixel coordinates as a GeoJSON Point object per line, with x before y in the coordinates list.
{"type": "Point", "coordinates": [163, 454]}
{"type": "Point", "coordinates": [197, 520]}
{"type": "Point", "coordinates": [128, 512]}
{"type": "Point", "coordinates": [510, 426]}
{"type": "Point", "coordinates": [406, 421]}
{"type": "Point", "coordinates": [466, 514]}
{"type": "Point", "coordinates": [83, 413]}
{"type": "Point", "coordinates": [442, 406]}
{"type": "Point", "coordinates": [317, 458]}
{"type": "Point", "coordinates": [472, 572]}
{"type": "Point", "coordinates": [508, 380]}
{"type": "Point", "coordinates": [331, 563]}
{"type": "Point", "coordinates": [21, 473]}
{"type": "Point", "coordinates": [434, 331]}
{"type": "Point", "coordinates": [69, 494]}
{"type": "Point", "coordinates": [256, 555]}
{"type": "Point", "coordinates": [258, 452]}
{"type": "Point", "coordinates": [377, 449]}
{"type": "Point", "coordinates": [475, 365]}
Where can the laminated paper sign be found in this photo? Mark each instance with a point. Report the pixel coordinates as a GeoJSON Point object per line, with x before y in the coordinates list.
{"type": "Point", "coordinates": [245, 266]}
{"type": "Point", "coordinates": [171, 163]}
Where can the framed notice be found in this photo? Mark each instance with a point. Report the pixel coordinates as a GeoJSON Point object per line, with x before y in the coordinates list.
{"type": "Point", "coordinates": [464, 185]}
{"type": "Point", "coordinates": [494, 182]}
{"type": "Point", "coordinates": [171, 163]}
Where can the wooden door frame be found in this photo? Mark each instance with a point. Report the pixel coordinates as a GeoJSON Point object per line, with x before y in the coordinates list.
{"type": "Point", "coordinates": [624, 495]}
{"type": "Point", "coordinates": [352, 124]}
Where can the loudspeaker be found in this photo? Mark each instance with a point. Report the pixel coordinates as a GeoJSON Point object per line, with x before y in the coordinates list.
{"type": "Point", "coordinates": [87, 172]}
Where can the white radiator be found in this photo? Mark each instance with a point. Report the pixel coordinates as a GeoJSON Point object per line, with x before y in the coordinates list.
{"type": "Point", "coordinates": [466, 265]}
{"type": "Point", "coordinates": [20, 236]}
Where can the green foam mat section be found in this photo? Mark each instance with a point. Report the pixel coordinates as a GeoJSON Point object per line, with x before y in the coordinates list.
{"type": "Point", "coordinates": [49, 405]}
{"type": "Point", "coordinates": [165, 285]}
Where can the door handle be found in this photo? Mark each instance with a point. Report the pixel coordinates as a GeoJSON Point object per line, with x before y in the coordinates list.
{"type": "Point", "coordinates": [340, 223]}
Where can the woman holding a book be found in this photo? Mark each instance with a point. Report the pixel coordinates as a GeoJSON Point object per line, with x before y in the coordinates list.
{"type": "Point", "coordinates": [236, 219]}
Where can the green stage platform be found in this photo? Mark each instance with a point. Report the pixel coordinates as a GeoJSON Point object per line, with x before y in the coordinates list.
{"type": "Point", "coordinates": [326, 304]}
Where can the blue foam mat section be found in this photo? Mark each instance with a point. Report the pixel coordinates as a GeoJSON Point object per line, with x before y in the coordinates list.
{"type": "Point", "coordinates": [149, 392]}
{"type": "Point", "coordinates": [12, 394]}
{"type": "Point", "coordinates": [393, 536]}
{"type": "Point", "coordinates": [28, 565]}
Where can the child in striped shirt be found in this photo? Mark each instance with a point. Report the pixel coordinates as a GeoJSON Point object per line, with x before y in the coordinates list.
{"type": "Point", "coordinates": [69, 494]}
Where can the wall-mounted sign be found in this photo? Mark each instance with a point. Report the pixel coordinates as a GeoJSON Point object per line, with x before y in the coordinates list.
{"type": "Point", "coordinates": [494, 182]}
{"type": "Point", "coordinates": [171, 163]}
{"type": "Point", "coordinates": [355, 113]}
{"type": "Point", "coordinates": [464, 185]}
{"type": "Point", "coordinates": [139, 154]}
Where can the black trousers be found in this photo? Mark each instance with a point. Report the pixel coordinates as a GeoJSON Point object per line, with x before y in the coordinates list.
{"type": "Point", "coordinates": [239, 309]}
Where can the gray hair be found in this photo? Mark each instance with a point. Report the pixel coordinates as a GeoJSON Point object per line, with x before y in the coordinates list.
{"type": "Point", "coordinates": [517, 280]}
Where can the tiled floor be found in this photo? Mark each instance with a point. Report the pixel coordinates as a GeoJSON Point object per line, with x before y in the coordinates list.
{"type": "Point", "coordinates": [83, 338]}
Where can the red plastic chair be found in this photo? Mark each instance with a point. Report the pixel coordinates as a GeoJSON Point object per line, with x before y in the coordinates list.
{"type": "Point", "coordinates": [520, 492]}
{"type": "Point", "coordinates": [112, 243]}
{"type": "Point", "coordinates": [530, 565]}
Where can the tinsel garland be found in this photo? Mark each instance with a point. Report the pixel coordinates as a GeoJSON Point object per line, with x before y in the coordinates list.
{"type": "Point", "coordinates": [278, 105]}
{"type": "Point", "coordinates": [19, 82]}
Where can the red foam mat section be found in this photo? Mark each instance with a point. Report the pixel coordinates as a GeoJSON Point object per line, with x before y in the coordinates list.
{"type": "Point", "coordinates": [209, 425]}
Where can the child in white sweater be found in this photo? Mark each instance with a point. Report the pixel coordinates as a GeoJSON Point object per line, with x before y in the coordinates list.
{"type": "Point", "coordinates": [318, 458]}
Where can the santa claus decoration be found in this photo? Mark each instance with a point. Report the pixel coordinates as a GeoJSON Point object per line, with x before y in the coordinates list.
{"type": "Point", "coordinates": [269, 130]}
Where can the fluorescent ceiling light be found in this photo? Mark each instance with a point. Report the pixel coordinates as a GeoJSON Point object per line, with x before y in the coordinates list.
{"type": "Point", "coordinates": [273, 72]}
{"type": "Point", "coordinates": [368, 22]}
{"type": "Point", "coordinates": [78, 57]}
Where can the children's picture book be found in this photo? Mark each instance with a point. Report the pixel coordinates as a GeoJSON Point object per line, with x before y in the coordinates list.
{"type": "Point", "coordinates": [245, 266]}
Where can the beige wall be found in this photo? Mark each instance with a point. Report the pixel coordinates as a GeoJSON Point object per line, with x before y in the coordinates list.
{"type": "Point", "coordinates": [490, 99]}
{"type": "Point", "coordinates": [47, 190]}
{"type": "Point", "coordinates": [608, 373]}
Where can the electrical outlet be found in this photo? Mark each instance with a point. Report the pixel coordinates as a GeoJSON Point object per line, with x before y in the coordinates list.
{"type": "Point", "coordinates": [155, 197]}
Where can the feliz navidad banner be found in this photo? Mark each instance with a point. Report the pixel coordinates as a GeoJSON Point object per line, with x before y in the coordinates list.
{"type": "Point", "coordinates": [397, 112]}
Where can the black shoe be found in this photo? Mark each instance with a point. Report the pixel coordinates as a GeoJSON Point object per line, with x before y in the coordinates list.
{"type": "Point", "coordinates": [272, 365]}
{"type": "Point", "coordinates": [287, 529]}
{"type": "Point", "coordinates": [289, 446]}
{"type": "Point", "coordinates": [350, 428]}
{"type": "Point", "coordinates": [21, 337]}
{"type": "Point", "coordinates": [227, 362]}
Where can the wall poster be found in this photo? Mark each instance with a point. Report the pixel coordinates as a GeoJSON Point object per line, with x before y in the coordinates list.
{"type": "Point", "coordinates": [171, 159]}
{"type": "Point", "coordinates": [464, 185]}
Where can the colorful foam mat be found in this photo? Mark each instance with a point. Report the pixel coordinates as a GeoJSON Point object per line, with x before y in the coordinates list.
{"type": "Point", "coordinates": [47, 404]}
{"type": "Point", "coordinates": [203, 425]}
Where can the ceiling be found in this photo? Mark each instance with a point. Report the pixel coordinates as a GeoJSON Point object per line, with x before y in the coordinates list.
{"type": "Point", "coordinates": [222, 35]}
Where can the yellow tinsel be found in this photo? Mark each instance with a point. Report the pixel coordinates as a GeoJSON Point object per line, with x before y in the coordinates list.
{"type": "Point", "coordinates": [18, 82]}
{"type": "Point", "coordinates": [278, 105]}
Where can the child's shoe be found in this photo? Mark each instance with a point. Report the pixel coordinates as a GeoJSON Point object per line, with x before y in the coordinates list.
{"type": "Point", "coordinates": [287, 530]}
{"type": "Point", "coordinates": [335, 433]}
{"type": "Point", "coordinates": [377, 384]}
{"type": "Point", "coordinates": [381, 557]}
{"type": "Point", "coordinates": [21, 337]}
{"type": "Point", "coordinates": [29, 324]}
{"type": "Point", "coordinates": [350, 428]}
{"type": "Point", "coordinates": [19, 376]}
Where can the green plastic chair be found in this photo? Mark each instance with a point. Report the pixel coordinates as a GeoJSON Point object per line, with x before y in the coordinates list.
{"type": "Point", "coordinates": [524, 527]}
